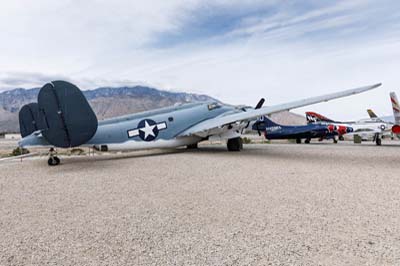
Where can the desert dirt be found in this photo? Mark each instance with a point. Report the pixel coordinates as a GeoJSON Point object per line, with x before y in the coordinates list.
{"type": "Point", "coordinates": [271, 204]}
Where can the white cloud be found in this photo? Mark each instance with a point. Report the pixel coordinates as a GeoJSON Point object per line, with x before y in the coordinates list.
{"type": "Point", "coordinates": [292, 52]}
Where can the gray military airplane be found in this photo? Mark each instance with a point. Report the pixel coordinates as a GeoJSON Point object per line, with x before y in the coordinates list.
{"type": "Point", "coordinates": [63, 118]}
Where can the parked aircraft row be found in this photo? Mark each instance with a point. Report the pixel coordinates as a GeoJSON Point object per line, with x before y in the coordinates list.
{"type": "Point", "coordinates": [321, 131]}
{"type": "Point", "coordinates": [321, 127]}
{"type": "Point", "coordinates": [63, 118]}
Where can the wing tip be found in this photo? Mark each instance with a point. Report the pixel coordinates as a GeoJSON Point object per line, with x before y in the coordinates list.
{"type": "Point", "coordinates": [377, 85]}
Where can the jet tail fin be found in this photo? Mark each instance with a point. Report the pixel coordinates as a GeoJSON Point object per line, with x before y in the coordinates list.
{"type": "Point", "coordinates": [371, 114]}
{"type": "Point", "coordinates": [396, 107]}
{"type": "Point", "coordinates": [313, 117]}
{"type": "Point", "coordinates": [269, 123]}
{"type": "Point", "coordinates": [263, 123]}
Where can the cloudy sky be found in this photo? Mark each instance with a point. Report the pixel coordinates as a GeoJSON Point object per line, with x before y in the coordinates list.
{"type": "Point", "coordinates": [234, 50]}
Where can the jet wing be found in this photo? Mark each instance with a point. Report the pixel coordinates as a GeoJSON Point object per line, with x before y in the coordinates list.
{"type": "Point", "coordinates": [219, 122]}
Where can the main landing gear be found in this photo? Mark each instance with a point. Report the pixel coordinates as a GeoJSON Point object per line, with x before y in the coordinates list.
{"type": "Point", "coordinates": [192, 146]}
{"type": "Point", "coordinates": [53, 159]}
{"type": "Point", "coordinates": [378, 140]}
{"type": "Point", "coordinates": [235, 144]}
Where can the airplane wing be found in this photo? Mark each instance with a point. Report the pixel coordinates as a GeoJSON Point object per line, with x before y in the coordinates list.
{"type": "Point", "coordinates": [221, 121]}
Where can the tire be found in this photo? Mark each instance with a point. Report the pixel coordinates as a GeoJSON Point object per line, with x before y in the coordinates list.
{"type": "Point", "coordinates": [335, 141]}
{"type": "Point", "coordinates": [307, 141]}
{"type": "Point", "coordinates": [192, 146]}
{"type": "Point", "coordinates": [235, 144]}
{"type": "Point", "coordinates": [57, 160]}
{"type": "Point", "coordinates": [378, 142]}
{"type": "Point", "coordinates": [298, 141]}
{"type": "Point", "coordinates": [53, 161]}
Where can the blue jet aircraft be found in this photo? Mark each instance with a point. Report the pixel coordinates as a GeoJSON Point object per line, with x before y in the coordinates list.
{"type": "Point", "coordinates": [273, 130]}
{"type": "Point", "coordinates": [63, 118]}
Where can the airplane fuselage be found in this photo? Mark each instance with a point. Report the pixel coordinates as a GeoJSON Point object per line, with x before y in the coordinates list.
{"type": "Point", "coordinates": [152, 129]}
{"type": "Point", "coordinates": [155, 129]}
{"type": "Point", "coordinates": [297, 132]}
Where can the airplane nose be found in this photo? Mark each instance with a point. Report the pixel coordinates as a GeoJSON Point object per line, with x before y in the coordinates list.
{"type": "Point", "coordinates": [396, 129]}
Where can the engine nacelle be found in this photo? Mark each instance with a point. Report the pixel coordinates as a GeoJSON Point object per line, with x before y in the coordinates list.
{"type": "Point", "coordinates": [396, 129]}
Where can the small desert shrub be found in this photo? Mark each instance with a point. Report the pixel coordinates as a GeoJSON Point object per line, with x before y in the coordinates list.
{"type": "Point", "coordinates": [77, 151]}
{"type": "Point", "coordinates": [246, 140]}
{"type": "Point", "coordinates": [19, 151]}
{"type": "Point", "coordinates": [357, 139]}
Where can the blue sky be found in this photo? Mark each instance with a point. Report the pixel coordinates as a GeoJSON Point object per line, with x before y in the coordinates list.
{"type": "Point", "coordinates": [237, 51]}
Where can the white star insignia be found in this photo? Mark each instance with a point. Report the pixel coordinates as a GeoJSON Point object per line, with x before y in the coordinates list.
{"type": "Point", "coordinates": [148, 130]}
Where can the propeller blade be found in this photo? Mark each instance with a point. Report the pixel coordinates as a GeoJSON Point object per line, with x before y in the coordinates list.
{"type": "Point", "coordinates": [260, 103]}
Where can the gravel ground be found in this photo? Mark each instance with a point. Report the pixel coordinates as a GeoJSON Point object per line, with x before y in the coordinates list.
{"type": "Point", "coordinates": [278, 204]}
{"type": "Point", "coordinates": [6, 146]}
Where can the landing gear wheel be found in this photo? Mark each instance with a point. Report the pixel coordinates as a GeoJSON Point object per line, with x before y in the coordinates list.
{"type": "Point", "coordinates": [378, 141]}
{"type": "Point", "coordinates": [235, 144]}
{"type": "Point", "coordinates": [298, 141]}
{"type": "Point", "coordinates": [53, 161]}
{"type": "Point", "coordinates": [341, 138]}
{"type": "Point", "coordinates": [335, 141]}
{"type": "Point", "coordinates": [307, 141]}
{"type": "Point", "coordinates": [192, 146]}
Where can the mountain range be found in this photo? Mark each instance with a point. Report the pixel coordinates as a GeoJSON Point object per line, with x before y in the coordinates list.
{"type": "Point", "coordinates": [112, 101]}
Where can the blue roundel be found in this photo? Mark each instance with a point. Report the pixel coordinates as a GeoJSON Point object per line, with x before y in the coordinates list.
{"type": "Point", "coordinates": [148, 130]}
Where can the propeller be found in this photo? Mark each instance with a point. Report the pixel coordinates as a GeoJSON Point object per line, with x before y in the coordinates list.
{"type": "Point", "coordinates": [260, 103]}
{"type": "Point", "coordinates": [258, 106]}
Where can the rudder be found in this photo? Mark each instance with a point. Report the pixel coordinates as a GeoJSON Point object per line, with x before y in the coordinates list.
{"type": "Point", "coordinates": [263, 123]}
{"type": "Point", "coordinates": [371, 113]}
{"type": "Point", "coordinates": [67, 115]}
{"type": "Point", "coordinates": [395, 106]}
{"type": "Point", "coordinates": [28, 118]}
{"type": "Point", "coordinates": [313, 117]}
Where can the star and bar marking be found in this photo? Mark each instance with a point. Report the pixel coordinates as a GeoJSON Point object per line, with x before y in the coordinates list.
{"type": "Point", "coordinates": [147, 129]}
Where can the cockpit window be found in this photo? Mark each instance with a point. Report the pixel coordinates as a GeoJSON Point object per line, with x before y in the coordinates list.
{"type": "Point", "coordinates": [213, 106]}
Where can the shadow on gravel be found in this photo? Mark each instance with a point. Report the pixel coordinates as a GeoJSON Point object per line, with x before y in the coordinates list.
{"type": "Point", "coordinates": [317, 152]}
{"type": "Point", "coordinates": [296, 153]}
